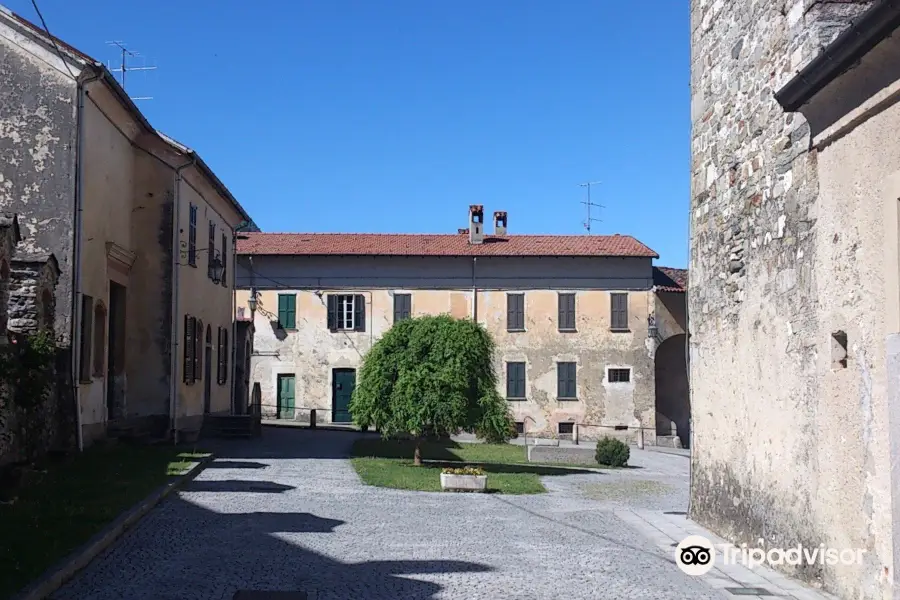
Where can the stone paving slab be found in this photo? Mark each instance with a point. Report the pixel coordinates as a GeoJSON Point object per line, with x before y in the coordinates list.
{"type": "Point", "coordinates": [665, 531]}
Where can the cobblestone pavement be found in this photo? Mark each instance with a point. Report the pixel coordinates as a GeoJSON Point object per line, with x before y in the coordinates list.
{"type": "Point", "coordinates": [288, 513]}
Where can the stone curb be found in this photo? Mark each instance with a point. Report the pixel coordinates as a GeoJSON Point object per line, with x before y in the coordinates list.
{"type": "Point", "coordinates": [56, 576]}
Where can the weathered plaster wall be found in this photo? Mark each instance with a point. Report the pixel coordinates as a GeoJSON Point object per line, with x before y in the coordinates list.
{"type": "Point", "coordinates": [200, 297]}
{"type": "Point", "coordinates": [781, 248]}
{"type": "Point", "coordinates": [37, 155]}
{"type": "Point", "coordinates": [311, 352]}
{"type": "Point", "coordinates": [108, 190]}
{"type": "Point", "coordinates": [150, 287]}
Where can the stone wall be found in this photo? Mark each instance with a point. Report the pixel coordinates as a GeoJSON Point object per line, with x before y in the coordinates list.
{"type": "Point", "coordinates": [31, 307]}
{"type": "Point", "coordinates": [758, 272]}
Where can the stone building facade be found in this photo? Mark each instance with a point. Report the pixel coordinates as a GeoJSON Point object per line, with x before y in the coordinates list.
{"type": "Point", "coordinates": [570, 317]}
{"type": "Point", "coordinates": [793, 297]}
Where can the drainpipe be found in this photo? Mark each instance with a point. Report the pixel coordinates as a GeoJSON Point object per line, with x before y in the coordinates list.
{"type": "Point", "coordinates": [474, 291]}
{"type": "Point", "coordinates": [75, 337]}
{"type": "Point", "coordinates": [233, 350]}
{"type": "Point", "coordinates": [176, 319]}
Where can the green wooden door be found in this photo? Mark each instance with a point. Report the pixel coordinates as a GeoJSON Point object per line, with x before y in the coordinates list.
{"type": "Point", "coordinates": [285, 396]}
{"type": "Point", "coordinates": [342, 383]}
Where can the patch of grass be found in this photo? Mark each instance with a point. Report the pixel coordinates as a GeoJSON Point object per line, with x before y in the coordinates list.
{"type": "Point", "coordinates": [388, 463]}
{"type": "Point", "coordinates": [59, 507]}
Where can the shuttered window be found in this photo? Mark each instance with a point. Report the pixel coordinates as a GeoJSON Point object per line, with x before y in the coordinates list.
{"type": "Point", "coordinates": [287, 311]}
{"type": "Point", "coordinates": [402, 307]}
{"type": "Point", "coordinates": [515, 312]}
{"type": "Point", "coordinates": [189, 332]}
{"type": "Point", "coordinates": [222, 352]}
{"type": "Point", "coordinates": [224, 260]}
{"type": "Point", "coordinates": [192, 237]}
{"type": "Point", "coordinates": [211, 250]}
{"type": "Point", "coordinates": [566, 384]}
{"type": "Point", "coordinates": [198, 350]}
{"type": "Point", "coordinates": [619, 311]}
{"type": "Point", "coordinates": [567, 312]}
{"type": "Point", "coordinates": [346, 312]}
{"type": "Point", "coordinates": [515, 381]}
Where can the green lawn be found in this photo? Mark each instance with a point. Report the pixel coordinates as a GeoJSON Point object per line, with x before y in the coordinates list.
{"type": "Point", "coordinates": [60, 507]}
{"type": "Point", "coordinates": [390, 464]}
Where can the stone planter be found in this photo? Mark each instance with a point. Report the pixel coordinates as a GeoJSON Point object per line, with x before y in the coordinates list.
{"type": "Point", "coordinates": [463, 483]}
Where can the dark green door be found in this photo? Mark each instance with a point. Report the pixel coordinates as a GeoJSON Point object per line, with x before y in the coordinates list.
{"type": "Point", "coordinates": [342, 383]}
{"type": "Point", "coordinates": [285, 396]}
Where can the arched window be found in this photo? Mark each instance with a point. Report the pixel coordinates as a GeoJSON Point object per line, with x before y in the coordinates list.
{"type": "Point", "coordinates": [99, 340]}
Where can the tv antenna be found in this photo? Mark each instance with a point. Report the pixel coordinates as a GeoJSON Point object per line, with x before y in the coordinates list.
{"type": "Point", "coordinates": [124, 68]}
{"type": "Point", "coordinates": [589, 204]}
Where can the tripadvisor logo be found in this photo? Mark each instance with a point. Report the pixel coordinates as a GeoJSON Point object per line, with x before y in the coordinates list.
{"type": "Point", "coordinates": [696, 555]}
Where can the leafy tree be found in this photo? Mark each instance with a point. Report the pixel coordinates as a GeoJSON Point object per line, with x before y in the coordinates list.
{"type": "Point", "coordinates": [431, 376]}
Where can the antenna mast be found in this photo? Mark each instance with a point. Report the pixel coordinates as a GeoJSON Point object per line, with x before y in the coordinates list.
{"type": "Point", "coordinates": [589, 204]}
{"type": "Point", "coordinates": [124, 68]}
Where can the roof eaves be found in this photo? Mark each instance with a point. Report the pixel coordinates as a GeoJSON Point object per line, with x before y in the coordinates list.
{"type": "Point", "coordinates": [204, 168]}
{"type": "Point", "coordinates": [852, 44]}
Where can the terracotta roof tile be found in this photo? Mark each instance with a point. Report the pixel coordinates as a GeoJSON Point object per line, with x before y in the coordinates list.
{"type": "Point", "coordinates": [390, 244]}
{"type": "Point", "coordinates": [666, 279]}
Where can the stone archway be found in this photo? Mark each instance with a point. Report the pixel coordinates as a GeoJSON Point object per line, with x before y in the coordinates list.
{"type": "Point", "coordinates": [673, 406]}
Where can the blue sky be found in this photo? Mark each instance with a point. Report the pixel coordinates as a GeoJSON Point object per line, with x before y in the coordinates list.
{"type": "Point", "coordinates": [395, 115]}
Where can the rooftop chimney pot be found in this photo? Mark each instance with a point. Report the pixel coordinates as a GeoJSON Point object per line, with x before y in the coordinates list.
{"type": "Point", "coordinates": [500, 222]}
{"type": "Point", "coordinates": [476, 224]}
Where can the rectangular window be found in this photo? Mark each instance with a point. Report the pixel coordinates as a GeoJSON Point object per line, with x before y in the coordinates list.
{"type": "Point", "coordinates": [567, 312]}
{"type": "Point", "coordinates": [515, 312]}
{"type": "Point", "coordinates": [346, 312]}
{"type": "Point", "coordinates": [211, 250]}
{"type": "Point", "coordinates": [224, 260]}
{"type": "Point", "coordinates": [520, 427]}
{"type": "Point", "coordinates": [222, 352]}
{"type": "Point", "coordinates": [199, 344]}
{"type": "Point", "coordinates": [619, 312]}
{"type": "Point", "coordinates": [189, 347]}
{"type": "Point", "coordinates": [402, 307]}
{"type": "Point", "coordinates": [566, 385]}
{"type": "Point", "coordinates": [192, 237]}
{"type": "Point", "coordinates": [87, 329]}
{"type": "Point", "coordinates": [618, 375]}
{"type": "Point", "coordinates": [287, 311]}
{"type": "Point", "coordinates": [565, 430]}
{"type": "Point", "coordinates": [515, 381]}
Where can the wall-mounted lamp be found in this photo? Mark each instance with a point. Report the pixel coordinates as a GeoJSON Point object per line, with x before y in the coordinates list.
{"type": "Point", "coordinates": [218, 269]}
{"type": "Point", "coordinates": [253, 301]}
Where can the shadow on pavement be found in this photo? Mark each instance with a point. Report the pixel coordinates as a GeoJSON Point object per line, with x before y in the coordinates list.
{"type": "Point", "coordinates": [182, 550]}
{"type": "Point", "coordinates": [237, 485]}
{"type": "Point", "coordinates": [236, 464]}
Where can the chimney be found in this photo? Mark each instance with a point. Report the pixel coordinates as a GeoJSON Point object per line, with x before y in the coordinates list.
{"type": "Point", "coordinates": [500, 222]}
{"type": "Point", "coordinates": [476, 224]}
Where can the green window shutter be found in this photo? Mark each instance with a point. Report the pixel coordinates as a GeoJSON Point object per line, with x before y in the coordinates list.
{"type": "Point", "coordinates": [359, 312]}
{"type": "Point", "coordinates": [515, 312]}
{"type": "Point", "coordinates": [520, 312]}
{"type": "Point", "coordinates": [510, 318]}
{"type": "Point", "coordinates": [571, 383]}
{"type": "Point", "coordinates": [287, 311]}
{"type": "Point", "coordinates": [566, 384]}
{"type": "Point", "coordinates": [226, 350]}
{"type": "Point", "coordinates": [560, 380]}
{"type": "Point", "coordinates": [331, 301]}
{"type": "Point", "coordinates": [515, 380]}
{"type": "Point", "coordinates": [567, 311]}
{"type": "Point", "coordinates": [570, 314]}
{"type": "Point", "coordinates": [198, 349]}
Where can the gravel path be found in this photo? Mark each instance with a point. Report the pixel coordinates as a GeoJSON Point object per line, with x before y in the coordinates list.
{"type": "Point", "coordinates": [288, 513]}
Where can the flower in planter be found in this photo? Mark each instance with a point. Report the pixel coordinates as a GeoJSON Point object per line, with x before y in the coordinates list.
{"type": "Point", "coordinates": [463, 471]}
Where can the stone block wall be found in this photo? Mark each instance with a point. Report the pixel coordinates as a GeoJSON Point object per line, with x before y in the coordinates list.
{"type": "Point", "coordinates": [28, 288]}
{"type": "Point", "coordinates": [757, 275]}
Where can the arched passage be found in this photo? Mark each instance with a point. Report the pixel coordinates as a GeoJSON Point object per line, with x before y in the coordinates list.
{"type": "Point", "coordinates": [673, 404]}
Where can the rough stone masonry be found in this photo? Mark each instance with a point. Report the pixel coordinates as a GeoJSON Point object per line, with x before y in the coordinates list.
{"type": "Point", "coordinates": [763, 465]}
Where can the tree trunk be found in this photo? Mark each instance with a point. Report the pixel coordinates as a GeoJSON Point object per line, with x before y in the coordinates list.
{"type": "Point", "coordinates": [417, 457]}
